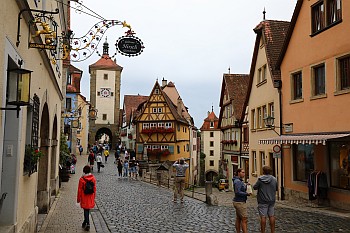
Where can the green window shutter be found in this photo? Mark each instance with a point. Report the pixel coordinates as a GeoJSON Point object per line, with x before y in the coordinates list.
{"type": "Point", "coordinates": [171, 149]}
{"type": "Point", "coordinates": [140, 148]}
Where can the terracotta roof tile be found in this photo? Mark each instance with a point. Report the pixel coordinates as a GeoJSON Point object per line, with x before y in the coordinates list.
{"type": "Point", "coordinates": [211, 118]}
{"type": "Point", "coordinates": [237, 86]}
{"type": "Point", "coordinates": [274, 35]}
{"type": "Point", "coordinates": [131, 102]}
{"type": "Point", "coordinates": [105, 62]}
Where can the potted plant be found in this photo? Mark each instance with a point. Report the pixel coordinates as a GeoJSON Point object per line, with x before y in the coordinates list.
{"type": "Point", "coordinates": [31, 159]}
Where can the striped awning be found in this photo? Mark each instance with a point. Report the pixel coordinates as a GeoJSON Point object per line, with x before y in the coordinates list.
{"type": "Point", "coordinates": [303, 139]}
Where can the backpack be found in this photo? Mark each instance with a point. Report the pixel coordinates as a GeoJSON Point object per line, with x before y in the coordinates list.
{"type": "Point", "coordinates": [89, 187]}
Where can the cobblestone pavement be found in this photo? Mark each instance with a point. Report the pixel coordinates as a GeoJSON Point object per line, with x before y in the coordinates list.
{"type": "Point", "coordinates": [64, 215]}
{"type": "Point", "coordinates": [135, 206]}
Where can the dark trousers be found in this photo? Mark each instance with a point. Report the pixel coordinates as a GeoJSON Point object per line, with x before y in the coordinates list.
{"type": "Point", "coordinates": [86, 216]}
{"type": "Point", "coordinates": [98, 166]}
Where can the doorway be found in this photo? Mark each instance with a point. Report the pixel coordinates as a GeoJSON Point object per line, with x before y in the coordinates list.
{"type": "Point", "coordinates": [272, 164]}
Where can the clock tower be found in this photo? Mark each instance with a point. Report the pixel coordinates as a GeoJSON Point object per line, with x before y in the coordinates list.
{"type": "Point", "coordinates": [105, 77]}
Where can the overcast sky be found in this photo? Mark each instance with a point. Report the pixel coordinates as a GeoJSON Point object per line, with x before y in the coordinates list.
{"type": "Point", "coordinates": [189, 42]}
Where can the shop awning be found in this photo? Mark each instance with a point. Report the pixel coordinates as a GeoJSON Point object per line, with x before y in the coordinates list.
{"type": "Point", "coordinates": [303, 139]}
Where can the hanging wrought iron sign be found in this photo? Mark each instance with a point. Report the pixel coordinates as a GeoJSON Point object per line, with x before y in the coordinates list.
{"type": "Point", "coordinates": [129, 45]}
{"type": "Point", "coordinates": [45, 31]}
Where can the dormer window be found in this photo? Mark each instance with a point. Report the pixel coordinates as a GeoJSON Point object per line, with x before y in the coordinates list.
{"type": "Point", "coordinates": [211, 124]}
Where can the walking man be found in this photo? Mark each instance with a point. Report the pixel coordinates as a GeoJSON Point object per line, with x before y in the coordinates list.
{"type": "Point", "coordinates": [267, 187]}
{"type": "Point", "coordinates": [180, 167]}
{"type": "Point", "coordinates": [239, 201]}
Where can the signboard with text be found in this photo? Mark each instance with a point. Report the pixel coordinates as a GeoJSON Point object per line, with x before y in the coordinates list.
{"type": "Point", "coordinates": [129, 46]}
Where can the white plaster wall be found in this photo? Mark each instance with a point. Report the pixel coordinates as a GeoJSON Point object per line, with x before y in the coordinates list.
{"type": "Point", "coordinates": [207, 149]}
{"type": "Point", "coordinates": [105, 105]}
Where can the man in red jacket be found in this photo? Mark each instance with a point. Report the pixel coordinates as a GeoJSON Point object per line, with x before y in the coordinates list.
{"type": "Point", "coordinates": [86, 198]}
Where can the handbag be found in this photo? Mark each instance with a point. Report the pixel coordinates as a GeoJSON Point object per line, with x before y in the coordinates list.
{"type": "Point", "coordinates": [102, 165]}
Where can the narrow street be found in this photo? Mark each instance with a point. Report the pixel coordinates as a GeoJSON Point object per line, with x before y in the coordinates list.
{"type": "Point", "coordinates": [134, 206]}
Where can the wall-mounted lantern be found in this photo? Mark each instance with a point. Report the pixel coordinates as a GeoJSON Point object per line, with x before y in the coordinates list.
{"type": "Point", "coordinates": [18, 89]}
{"type": "Point", "coordinates": [92, 113]}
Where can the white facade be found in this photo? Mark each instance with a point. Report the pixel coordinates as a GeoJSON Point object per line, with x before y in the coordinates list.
{"type": "Point", "coordinates": [212, 149]}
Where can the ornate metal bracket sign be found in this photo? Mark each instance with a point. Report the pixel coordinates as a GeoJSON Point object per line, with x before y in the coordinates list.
{"type": "Point", "coordinates": [49, 35]}
{"type": "Point", "coordinates": [130, 45]}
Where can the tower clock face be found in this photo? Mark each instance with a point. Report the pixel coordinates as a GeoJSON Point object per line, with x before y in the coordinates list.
{"type": "Point", "coordinates": [105, 92]}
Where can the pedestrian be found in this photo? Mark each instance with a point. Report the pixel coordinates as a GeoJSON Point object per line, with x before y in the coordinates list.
{"type": "Point", "coordinates": [106, 153]}
{"type": "Point", "coordinates": [91, 159]}
{"type": "Point", "coordinates": [98, 161]}
{"type": "Point", "coordinates": [267, 187]}
{"type": "Point", "coordinates": [120, 168]}
{"type": "Point", "coordinates": [180, 166]}
{"type": "Point", "coordinates": [80, 149]}
{"type": "Point", "coordinates": [126, 168]}
{"type": "Point", "coordinates": [239, 201]}
{"type": "Point", "coordinates": [86, 194]}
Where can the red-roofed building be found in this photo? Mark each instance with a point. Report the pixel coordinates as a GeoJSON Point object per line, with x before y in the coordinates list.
{"type": "Point", "coordinates": [211, 145]}
{"type": "Point", "coordinates": [105, 79]}
{"type": "Point", "coordinates": [233, 94]}
{"type": "Point", "coordinates": [129, 112]}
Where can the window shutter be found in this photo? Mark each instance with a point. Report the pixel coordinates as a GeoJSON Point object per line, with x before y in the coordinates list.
{"type": "Point", "coordinates": [139, 148]}
{"type": "Point", "coordinates": [171, 149]}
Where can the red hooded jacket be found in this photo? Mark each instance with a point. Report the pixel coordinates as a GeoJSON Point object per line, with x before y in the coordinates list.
{"type": "Point", "coordinates": [87, 201]}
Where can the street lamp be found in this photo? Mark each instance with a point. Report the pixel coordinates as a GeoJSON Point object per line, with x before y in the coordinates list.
{"type": "Point", "coordinates": [18, 90]}
{"type": "Point", "coordinates": [269, 121]}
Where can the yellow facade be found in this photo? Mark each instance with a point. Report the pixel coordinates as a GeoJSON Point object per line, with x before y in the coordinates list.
{"type": "Point", "coordinates": [161, 130]}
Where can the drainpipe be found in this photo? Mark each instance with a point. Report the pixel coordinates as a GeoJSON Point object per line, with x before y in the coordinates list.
{"type": "Point", "coordinates": [281, 126]}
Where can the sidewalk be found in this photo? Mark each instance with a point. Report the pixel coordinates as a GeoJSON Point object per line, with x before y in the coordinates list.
{"type": "Point", "coordinates": [64, 215]}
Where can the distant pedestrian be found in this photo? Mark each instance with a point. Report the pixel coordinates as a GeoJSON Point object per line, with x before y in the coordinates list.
{"type": "Point", "coordinates": [99, 161]}
{"type": "Point", "coordinates": [81, 149]}
{"type": "Point", "coordinates": [239, 201]}
{"type": "Point", "coordinates": [126, 168]}
{"type": "Point", "coordinates": [86, 194]}
{"type": "Point", "coordinates": [91, 160]}
{"type": "Point", "coordinates": [180, 166]}
{"type": "Point", "coordinates": [120, 168]}
{"type": "Point", "coordinates": [267, 187]}
{"type": "Point", "coordinates": [106, 153]}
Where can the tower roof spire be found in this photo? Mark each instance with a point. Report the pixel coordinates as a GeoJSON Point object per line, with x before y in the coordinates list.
{"type": "Point", "coordinates": [105, 47]}
{"type": "Point", "coordinates": [264, 13]}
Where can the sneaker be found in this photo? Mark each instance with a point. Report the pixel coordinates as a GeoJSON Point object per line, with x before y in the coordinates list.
{"type": "Point", "coordinates": [87, 227]}
{"type": "Point", "coordinates": [83, 225]}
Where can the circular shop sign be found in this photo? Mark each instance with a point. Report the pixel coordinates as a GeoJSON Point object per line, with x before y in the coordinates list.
{"type": "Point", "coordinates": [129, 46]}
{"type": "Point", "coordinates": [276, 149]}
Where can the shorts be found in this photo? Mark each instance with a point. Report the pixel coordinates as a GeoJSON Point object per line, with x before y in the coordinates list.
{"type": "Point", "coordinates": [241, 209]}
{"type": "Point", "coordinates": [266, 210]}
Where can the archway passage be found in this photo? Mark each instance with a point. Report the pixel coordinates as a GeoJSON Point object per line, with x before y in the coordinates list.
{"type": "Point", "coordinates": [54, 160]}
{"type": "Point", "coordinates": [104, 136]}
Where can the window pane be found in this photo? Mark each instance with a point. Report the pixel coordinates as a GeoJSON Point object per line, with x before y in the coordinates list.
{"type": "Point", "coordinates": [333, 11]}
{"type": "Point", "coordinates": [318, 17]}
{"type": "Point", "coordinates": [340, 164]}
{"type": "Point", "coordinates": [297, 86]}
{"type": "Point", "coordinates": [303, 156]}
{"type": "Point", "coordinates": [320, 84]}
{"type": "Point", "coordinates": [344, 72]}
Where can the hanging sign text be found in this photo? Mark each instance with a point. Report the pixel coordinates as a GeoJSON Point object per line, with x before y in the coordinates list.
{"type": "Point", "coordinates": [129, 46]}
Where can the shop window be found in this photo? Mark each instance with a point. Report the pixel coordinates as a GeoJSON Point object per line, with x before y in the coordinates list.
{"type": "Point", "coordinates": [340, 164]}
{"type": "Point", "coordinates": [303, 160]}
{"type": "Point", "coordinates": [319, 80]}
{"type": "Point", "coordinates": [343, 75]}
{"type": "Point", "coordinates": [297, 86]}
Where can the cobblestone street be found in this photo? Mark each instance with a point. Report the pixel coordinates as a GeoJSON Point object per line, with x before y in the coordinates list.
{"type": "Point", "coordinates": [134, 206]}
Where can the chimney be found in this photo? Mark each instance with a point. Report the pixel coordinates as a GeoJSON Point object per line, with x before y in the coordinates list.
{"type": "Point", "coordinates": [179, 106]}
{"type": "Point", "coordinates": [164, 82]}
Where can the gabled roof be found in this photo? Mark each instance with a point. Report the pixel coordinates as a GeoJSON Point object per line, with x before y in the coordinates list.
{"type": "Point", "coordinates": [131, 102]}
{"type": "Point", "coordinates": [274, 33]}
{"type": "Point", "coordinates": [289, 33]}
{"type": "Point", "coordinates": [171, 105]}
{"type": "Point", "coordinates": [211, 118]}
{"type": "Point", "coordinates": [236, 86]}
{"type": "Point", "coordinates": [105, 63]}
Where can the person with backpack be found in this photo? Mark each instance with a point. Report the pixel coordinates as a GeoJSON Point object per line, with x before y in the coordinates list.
{"type": "Point", "coordinates": [86, 194]}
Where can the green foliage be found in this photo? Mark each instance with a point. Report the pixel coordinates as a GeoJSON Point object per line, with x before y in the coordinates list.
{"type": "Point", "coordinates": [202, 155]}
{"type": "Point", "coordinates": [64, 150]}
